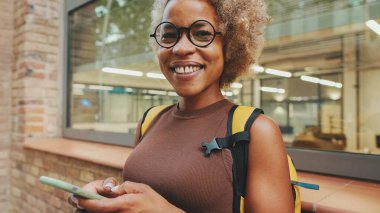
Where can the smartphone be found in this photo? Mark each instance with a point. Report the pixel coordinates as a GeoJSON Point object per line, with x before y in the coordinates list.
{"type": "Point", "coordinates": [76, 190]}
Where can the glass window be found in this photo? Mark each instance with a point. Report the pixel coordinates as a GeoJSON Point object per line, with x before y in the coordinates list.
{"type": "Point", "coordinates": [318, 80]}
{"type": "Point", "coordinates": [319, 69]}
{"type": "Point", "coordinates": [317, 77]}
{"type": "Point", "coordinates": [113, 75]}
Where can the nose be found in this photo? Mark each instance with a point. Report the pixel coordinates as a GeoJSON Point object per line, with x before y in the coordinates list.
{"type": "Point", "coordinates": [183, 46]}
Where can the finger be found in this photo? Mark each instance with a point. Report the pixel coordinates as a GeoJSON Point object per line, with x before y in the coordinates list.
{"type": "Point", "coordinates": [95, 186]}
{"type": "Point", "coordinates": [79, 211]}
{"type": "Point", "coordinates": [72, 200]}
{"type": "Point", "coordinates": [98, 187]}
{"type": "Point", "coordinates": [109, 205]}
{"type": "Point", "coordinates": [109, 183]}
{"type": "Point", "coordinates": [129, 187]}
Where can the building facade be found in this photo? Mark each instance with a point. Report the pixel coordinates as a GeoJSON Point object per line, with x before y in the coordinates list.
{"type": "Point", "coordinates": [54, 84]}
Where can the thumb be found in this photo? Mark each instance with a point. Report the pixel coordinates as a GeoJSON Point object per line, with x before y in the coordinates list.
{"type": "Point", "coordinates": [109, 183]}
{"type": "Point", "coordinates": [129, 187]}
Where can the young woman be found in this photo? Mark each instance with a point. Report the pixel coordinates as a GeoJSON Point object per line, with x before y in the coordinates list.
{"type": "Point", "coordinates": [202, 45]}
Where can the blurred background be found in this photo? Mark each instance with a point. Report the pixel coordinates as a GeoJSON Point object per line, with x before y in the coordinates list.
{"type": "Point", "coordinates": [77, 75]}
{"type": "Point", "coordinates": [317, 77]}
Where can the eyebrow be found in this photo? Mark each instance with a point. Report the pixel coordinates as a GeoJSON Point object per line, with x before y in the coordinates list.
{"type": "Point", "coordinates": [169, 26]}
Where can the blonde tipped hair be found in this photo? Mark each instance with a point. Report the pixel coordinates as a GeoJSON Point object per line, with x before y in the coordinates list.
{"type": "Point", "coordinates": [242, 24]}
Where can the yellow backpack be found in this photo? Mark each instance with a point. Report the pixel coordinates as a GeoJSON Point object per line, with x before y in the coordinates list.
{"type": "Point", "coordinates": [240, 119]}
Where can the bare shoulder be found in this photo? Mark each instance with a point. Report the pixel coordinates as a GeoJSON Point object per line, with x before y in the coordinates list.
{"type": "Point", "coordinates": [266, 143]}
{"type": "Point", "coordinates": [265, 131]}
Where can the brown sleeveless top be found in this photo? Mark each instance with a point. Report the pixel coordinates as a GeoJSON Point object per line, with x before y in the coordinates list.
{"type": "Point", "coordinates": [169, 158]}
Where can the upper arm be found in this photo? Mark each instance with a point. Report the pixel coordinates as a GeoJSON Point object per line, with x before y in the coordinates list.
{"type": "Point", "coordinates": [268, 179]}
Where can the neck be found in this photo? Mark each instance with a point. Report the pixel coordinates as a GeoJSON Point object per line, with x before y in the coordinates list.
{"type": "Point", "coordinates": [199, 101]}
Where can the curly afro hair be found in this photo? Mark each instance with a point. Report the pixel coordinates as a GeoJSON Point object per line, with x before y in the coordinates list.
{"type": "Point", "coordinates": [242, 23]}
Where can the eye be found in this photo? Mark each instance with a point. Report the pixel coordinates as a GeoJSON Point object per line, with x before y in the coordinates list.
{"type": "Point", "coordinates": [168, 36]}
{"type": "Point", "coordinates": [202, 35]}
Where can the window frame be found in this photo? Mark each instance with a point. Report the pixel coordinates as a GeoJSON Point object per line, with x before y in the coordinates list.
{"type": "Point", "coordinates": [353, 165]}
{"type": "Point", "coordinates": [122, 139]}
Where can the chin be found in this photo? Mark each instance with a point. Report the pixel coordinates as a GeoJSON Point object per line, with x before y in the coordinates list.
{"type": "Point", "coordinates": [187, 92]}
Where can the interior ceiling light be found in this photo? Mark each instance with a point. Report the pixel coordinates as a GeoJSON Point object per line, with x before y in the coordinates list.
{"type": "Point", "coordinates": [273, 90]}
{"type": "Point", "coordinates": [374, 26]}
{"type": "Point", "coordinates": [100, 87]}
{"type": "Point", "coordinates": [79, 86]}
{"type": "Point", "coordinates": [157, 92]}
{"type": "Point", "coordinates": [155, 75]}
{"type": "Point", "coordinates": [257, 68]}
{"type": "Point", "coordinates": [321, 81]}
{"type": "Point", "coordinates": [170, 93]}
{"type": "Point", "coordinates": [227, 93]}
{"type": "Point", "coordinates": [236, 85]}
{"type": "Point", "coordinates": [278, 72]}
{"type": "Point", "coordinates": [310, 79]}
{"type": "Point", "coordinates": [122, 71]}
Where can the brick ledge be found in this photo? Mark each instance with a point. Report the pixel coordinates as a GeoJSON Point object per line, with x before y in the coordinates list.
{"type": "Point", "coordinates": [336, 195]}
{"type": "Point", "coordinates": [103, 154]}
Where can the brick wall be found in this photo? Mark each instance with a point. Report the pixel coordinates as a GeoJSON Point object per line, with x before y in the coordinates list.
{"type": "Point", "coordinates": [34, 92]}
{"type": "Point", "coordinates": [28, 195]}
{"type": "Point", "coordinates": [6, 63]}
{"type": "Point", "coordinates": [31, 107]}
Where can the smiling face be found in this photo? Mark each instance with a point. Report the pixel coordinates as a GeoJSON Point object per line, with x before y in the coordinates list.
{"type": "Point", "coordinates": [191, 70]}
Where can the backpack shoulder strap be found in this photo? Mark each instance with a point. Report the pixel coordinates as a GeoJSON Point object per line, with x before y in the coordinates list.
{"type": "Point", "coordinates": [149, 116]}
{"type": "Point", "coordinates": [243, 118]}
{"type": "Point", "coordinates": [240, 120]}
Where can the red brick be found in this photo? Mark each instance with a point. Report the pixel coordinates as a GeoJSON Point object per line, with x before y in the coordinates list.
{"type": "Point", "coordinates": [35, 110]}
{"type": "Point", "coordinates": [32, 119]}
{"type": "Point", "coordinates": [31, 129]}
{"type": "Point", "coordinates": [31, 102]}
{"type": "Point", "coordinates": [31, 65]}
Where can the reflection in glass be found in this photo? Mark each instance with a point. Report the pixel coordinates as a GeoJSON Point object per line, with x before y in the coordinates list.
{"type": "Point", "coordinates": [317, 77]}
{"type": "Point", "coordinates": [330, 100]}
{"type": "Point", "coordinates": [113, 75]}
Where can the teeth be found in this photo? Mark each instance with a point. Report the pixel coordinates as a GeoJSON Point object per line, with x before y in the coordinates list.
{"type": "Point", "coordinates": [186, 69]}
{"type": "Point", "coordinates": [179, 70]}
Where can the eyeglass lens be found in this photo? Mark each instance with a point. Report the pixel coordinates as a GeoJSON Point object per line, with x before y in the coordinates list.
{"type": "Point", "coordinates": [201, 33]}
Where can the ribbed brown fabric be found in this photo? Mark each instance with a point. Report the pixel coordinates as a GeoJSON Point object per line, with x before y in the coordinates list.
{"type": "Point", "coordinates": [169, 158]}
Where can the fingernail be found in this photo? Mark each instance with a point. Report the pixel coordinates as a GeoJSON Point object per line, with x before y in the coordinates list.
{"type": "Point", "coordinates": [74, 199]}
{"type": "Point", "coordinates": [109, 185]}
{"type": "Point", "coordinates": [114, 189]}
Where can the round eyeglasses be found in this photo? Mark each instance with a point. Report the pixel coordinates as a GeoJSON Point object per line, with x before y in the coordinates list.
{"type": "Point", "coordinates": [201, 33]}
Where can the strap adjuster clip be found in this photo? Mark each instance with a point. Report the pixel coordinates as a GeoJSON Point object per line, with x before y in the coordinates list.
{"type": "Point", "coordinates": [208, 147]}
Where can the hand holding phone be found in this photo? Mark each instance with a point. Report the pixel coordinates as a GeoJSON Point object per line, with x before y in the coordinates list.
{"type": "Point", "coordinates": [76, 190]}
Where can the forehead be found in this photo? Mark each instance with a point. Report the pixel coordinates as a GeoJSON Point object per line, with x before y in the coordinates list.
{"type": "Point", "coordinates": [185, 12]}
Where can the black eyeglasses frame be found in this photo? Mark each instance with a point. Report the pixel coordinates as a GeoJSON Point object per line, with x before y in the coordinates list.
{"type": "Point", "coordinates": [179, 31]}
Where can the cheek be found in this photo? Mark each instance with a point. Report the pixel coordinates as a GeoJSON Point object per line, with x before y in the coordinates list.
{"type": "Point", "coordinates": [162, 57]}
{"type": "Point", "coordinates": [217, 58]}
{"type": "Point", "coordinates": [216, 53]}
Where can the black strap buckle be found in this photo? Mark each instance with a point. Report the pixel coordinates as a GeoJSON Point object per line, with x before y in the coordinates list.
{"type": "Point", "coordinates": [208, 147]}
